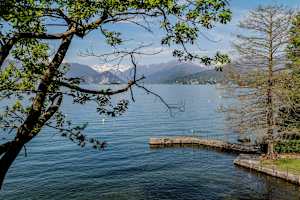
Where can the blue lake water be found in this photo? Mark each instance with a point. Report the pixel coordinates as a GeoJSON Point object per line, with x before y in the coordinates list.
{"type": "Point", "coordinates": [56, 168]}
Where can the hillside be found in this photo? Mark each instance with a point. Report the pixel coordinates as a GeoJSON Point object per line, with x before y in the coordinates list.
{"type": "Point", "coordinates": [164, 72]}
{"type": "Point", "coordinates": [204, 77]}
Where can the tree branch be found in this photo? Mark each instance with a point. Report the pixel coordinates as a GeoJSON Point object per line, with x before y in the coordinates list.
{"type": "Point", "coordinates": [101, 92]}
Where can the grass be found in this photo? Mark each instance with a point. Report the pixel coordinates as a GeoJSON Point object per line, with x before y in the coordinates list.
{"type": "Point", "coordinates": [284, 164]}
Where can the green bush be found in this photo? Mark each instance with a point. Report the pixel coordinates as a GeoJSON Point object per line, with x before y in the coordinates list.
{"type": "Point", "coordinates": [288, 146]}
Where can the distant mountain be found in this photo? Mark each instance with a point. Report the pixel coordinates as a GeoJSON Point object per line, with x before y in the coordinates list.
{"type": "Point", "coordinates": [168, 72]}
{"type": "Point", "coordinates": [90, 75]}
{"type": "Point", "coordinates": [108, 78]}
{"type": "Point", "coordinates": [146, 70]}
{"type": "Point", "coordinates": [164, 72]}
{"type": "Point", "coordinates": [116, 70]}
{"type": "Point", "coordinates": [174, 72]}
{"type": "Point", "coordinates": [204, 77]}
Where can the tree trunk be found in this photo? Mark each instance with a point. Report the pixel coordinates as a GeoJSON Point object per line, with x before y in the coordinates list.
{"type": "Point", "coordinates": [270, 148]}
{"type": "Point", "coordinates": [270, 102]}
{"type": "Point", "coordinates": [8, 158]}
{"type": "Point", "coordinates": [32, 125]}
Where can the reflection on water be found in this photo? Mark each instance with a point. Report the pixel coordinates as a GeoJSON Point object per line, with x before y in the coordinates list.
{"type": "Point", "coordinates": [129, 169]}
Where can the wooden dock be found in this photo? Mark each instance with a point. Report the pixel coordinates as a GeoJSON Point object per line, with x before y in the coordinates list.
{"type": "Point", "coordinates": [194, 140]}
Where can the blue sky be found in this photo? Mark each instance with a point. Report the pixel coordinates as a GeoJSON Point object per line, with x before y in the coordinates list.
{"type": "Point", "coordinates": [222, 36]}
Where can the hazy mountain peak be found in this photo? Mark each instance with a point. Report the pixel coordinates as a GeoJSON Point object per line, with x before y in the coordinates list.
{"type": "Point", "coordinates": [161, 72]}
{"type": "Point", "coordinates": [106, 67]}
{"type": "Point", "coordinates": [154, 73]}
{"type": "Point", "coordinates": [90, 75]}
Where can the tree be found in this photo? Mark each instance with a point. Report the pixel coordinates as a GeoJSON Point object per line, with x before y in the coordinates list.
{"type": "Point", "coordinates": [261, 56]}
{"type": "Point", "coordinates": [37, 76]}
{"type": "Point", "coordinates": [290, 87]}
{"type": "Point", "coordinates": [294, 43]}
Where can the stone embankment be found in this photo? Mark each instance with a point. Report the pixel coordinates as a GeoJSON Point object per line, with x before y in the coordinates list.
{"type": "Point", "coordinates": [193, 140]}
{"type": "Point", "coordinates": [249, 158]}
{"type": "Point", "coordinates": [252, 162]}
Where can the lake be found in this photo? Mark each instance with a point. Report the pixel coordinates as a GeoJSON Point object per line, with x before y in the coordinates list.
{"type": "Point", "coordinates": [56, 168]}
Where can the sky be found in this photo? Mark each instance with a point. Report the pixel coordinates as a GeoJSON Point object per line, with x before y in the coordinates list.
{"type": "Point", "coordinates": [218, 39]}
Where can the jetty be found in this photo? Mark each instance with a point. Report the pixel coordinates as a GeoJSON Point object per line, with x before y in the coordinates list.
{"type": "Point", "coordinates": [171, 141]}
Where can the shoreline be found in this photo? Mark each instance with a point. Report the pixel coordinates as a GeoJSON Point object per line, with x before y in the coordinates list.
{"type": "Point", "coordinates": [253, 162]}
{"type": "Point", "coordinates": [249, 156]}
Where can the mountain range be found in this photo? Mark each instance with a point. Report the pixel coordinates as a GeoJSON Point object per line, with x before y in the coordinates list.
{"type": "Point", "coordinates": [169, 72]}
{"type": "Point", "coordinates": [173, 71]}
{"type": "Point", "coordinates": [89, 75]}
{"type": "Point", "coordinates": [159, 73]}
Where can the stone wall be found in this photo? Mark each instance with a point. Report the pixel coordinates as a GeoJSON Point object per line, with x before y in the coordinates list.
{"type": "Point", "coordinates": [252, 162]}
